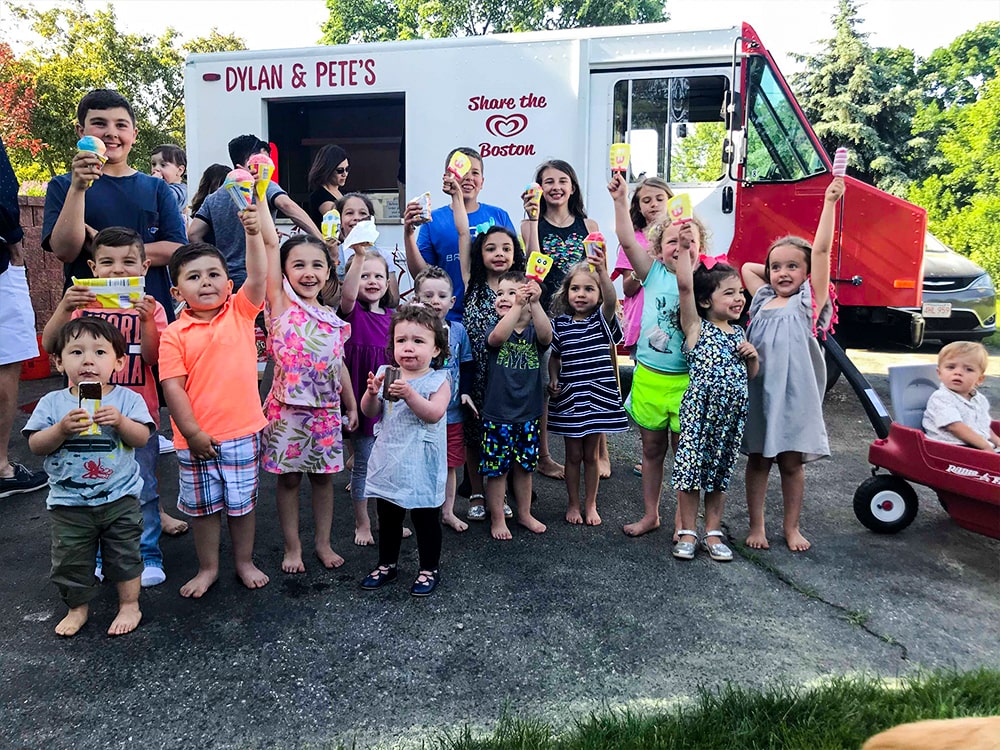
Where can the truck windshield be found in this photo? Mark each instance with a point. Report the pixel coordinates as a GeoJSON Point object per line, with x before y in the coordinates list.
{"type": "Point", "coordinates": [778, 147]}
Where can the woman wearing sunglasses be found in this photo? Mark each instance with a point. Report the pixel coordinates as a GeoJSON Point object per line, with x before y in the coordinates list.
{"type": "Point", "coordinates": [327, 177]}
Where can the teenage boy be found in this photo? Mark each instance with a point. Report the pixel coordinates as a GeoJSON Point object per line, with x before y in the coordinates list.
{"type": "Point", "coordinates": [96, 195]}
{"type": "Point", "coordinates": [208, 370]}
{"type": "Point", "coordinates": [118, 253]}
{"type": "Point", "coordinates": [94, 481]}
{"type": "Point", "coordinates": [218, 220]}
{"type": "Point", "coordinates": [438, 239]}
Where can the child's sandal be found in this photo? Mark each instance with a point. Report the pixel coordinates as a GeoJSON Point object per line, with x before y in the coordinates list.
{"type": "Point", "coordinates": [685, 550]}
{"type": "Point", "coordinates": [382, 575]}
{"type": "Point", "coordinates": [426, 582]}
{"type": "Point", "coordinates": [477, 509]}
{"type": "Point", "coordinates": [718, 551]}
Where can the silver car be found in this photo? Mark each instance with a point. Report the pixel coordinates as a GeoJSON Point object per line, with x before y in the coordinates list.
{"type": "Point", "coordinates": [959, 301]}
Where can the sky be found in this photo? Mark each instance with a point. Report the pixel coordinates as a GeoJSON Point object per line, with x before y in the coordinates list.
{"type": "Point", "coordinates": [785, 26]}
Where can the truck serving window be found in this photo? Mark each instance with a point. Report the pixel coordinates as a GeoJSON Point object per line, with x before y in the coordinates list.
{"type": "Point", "coordinates": [778, 147]}
{"type": "Point", "coordinates": [674, 125]}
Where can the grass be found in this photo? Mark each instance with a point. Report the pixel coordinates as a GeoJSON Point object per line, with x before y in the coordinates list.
{"type": "Point", "coordinates": [840, 714]}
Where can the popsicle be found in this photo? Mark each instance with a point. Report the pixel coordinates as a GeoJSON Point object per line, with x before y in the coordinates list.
{"type": "Point", "coordinates": [120, 293]}
{"type": "Point", "coordinates": [424, 199]}
{"type": "Point", "coordinates": [594, 241]}
{"type": "Point", "coordinates": [459, 165]}
{"type": "Point", "coordinates": [534, 191]}
{"type": "Point", "coordinates": [840, 162]}
{"type": "Point", "coordinates": [539, 265]}
{"type": "Point", "coordinates": [620, 153]}
{"type": "Point", "coordinates": [331, 224]}
{"type": "Point", "coordinates": [239, 185]}
{"type": "Point", "coordinates": [95, 146]}
{"type": "Point", "coordinates": [679, 209]}
{"type": "Point", "coordinates": [261, 167]}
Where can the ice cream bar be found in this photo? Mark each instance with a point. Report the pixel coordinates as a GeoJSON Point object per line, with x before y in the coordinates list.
{"type": "Point", "coordinates": [90, 400]}
{"type": "Point", "coordinates": [459, 165]}
{"type": "Point", "coordinates": [261, 167]}
{"type": "Point", "coordinates": [594, 241]}
{"type": "Point", "coordinates": [539, 265]}
{"type": "Point", "coordinates": [116, 294]}
{"type": "Point", "coordinates": [679, 209]}
{"type": "Point", "coordinates": [390, 376]}
{"type": "Point", "coordinates": [840, 162]}
{"type": "Point", "coordinates": [620, 153]}
{"type": "Point", "coordinates": [331, 224]}
{"type": "Point", "coordinates": [424, 199]}
{"type": "Point", "coordinates": [239, 185]}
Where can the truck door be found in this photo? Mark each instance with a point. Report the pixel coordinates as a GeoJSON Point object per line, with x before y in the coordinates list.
{"type": "Point", "coordinates": [673, 120]}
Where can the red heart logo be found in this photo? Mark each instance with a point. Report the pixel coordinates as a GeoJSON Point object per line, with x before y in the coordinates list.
{"type": "Point", "coordinates": [506, 126]}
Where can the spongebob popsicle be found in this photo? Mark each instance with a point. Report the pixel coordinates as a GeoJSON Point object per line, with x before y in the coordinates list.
{"type": "Point", "coordinates": [539, 265]}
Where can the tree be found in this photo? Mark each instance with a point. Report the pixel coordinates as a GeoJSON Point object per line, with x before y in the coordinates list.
{"type": "Point", "coordinates": [386, 20]}
{"type": "Point", "coordinates": [74, 51]}
{"type": "Point", "coordinates": [862, 98]}
{"type": "Point", "coordinates": [17, 101]}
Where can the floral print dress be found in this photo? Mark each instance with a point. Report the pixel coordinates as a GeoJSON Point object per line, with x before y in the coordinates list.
{"type": "Point", "coordinates": [303, 433]}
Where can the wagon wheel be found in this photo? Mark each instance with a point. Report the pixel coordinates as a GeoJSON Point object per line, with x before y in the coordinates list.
{"type": "Point", "coordinates": [885, 504]}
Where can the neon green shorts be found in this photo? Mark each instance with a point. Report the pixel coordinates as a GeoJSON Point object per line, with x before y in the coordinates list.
{"type": "Point", "coordinates": [655, 399]}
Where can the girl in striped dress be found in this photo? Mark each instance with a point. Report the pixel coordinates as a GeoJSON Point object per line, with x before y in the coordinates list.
{"type": "Point", "coordinates": [585, 401]}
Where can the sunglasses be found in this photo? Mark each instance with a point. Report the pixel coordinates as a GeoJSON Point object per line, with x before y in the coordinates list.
{"type": "Point", "coordinates": [342, 170]}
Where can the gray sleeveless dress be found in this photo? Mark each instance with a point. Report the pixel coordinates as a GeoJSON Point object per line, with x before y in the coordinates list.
{"type": "Point", "coordinates": [786, 398]}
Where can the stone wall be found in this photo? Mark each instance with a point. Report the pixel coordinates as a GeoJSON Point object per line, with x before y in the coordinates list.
{"type": "Point", "coordinates": [45, 271]}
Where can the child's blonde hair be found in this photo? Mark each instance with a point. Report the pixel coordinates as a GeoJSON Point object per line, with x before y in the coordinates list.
{"type": "Point", "coordinates": [655, 234]}
{"type": "Point", "coordinates": [971, 350]}
{"type": "Point", "coordinates": [560, 300]}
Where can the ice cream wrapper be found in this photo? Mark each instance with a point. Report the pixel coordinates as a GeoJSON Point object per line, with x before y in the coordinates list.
{"type": "Point", "coordinates": [534, 191]}
{"type": "Point", "coordinates": [331, 224]}
{"type": "Point", "coordinates": [116, 294]}
{"type": "Point", "coordinates": [261, 167]}
{"type": "Point", "coordinates": [620, 154]}
{"type": "Point", "coordinates": [459, 165]}
{"type": "Point", "coordinates": [840, 162]}
{"type": "Point", "coordinates": [679, 209]}
{"type": "Point", "coordinates": [94, 145]}
{"type": "Point", "coordinates": [239, 185]}
{"type": "Point", "coordinates": [594, 241]}
{"type": "Point", "coordinates": [91, 405]}
{"type": "Point", "coordinates": [424, 199]}
{"type": "Point", "coordinates": [539, 265]}
{"type": "Point", "coordinates": [364, 233]}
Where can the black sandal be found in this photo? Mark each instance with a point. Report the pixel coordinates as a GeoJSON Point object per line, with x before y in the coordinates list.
{"type": "Point", "coordinates": [382, 575]}
{"type": "Point", "coordinates": [426, 582]}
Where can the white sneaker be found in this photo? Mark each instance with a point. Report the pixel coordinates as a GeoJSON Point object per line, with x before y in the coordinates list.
{"type": "Point", "coordinates": [99, 573]}
{"type": "Point", "coordinates": [166, 446]}
{"type": "Point", "coordinates": [152, 576]}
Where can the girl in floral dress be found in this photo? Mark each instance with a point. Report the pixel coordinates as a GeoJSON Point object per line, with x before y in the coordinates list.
{"type": "Point", "coordinates": [311, 387]}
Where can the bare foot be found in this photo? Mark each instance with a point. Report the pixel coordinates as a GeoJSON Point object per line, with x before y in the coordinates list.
{"type": "Point", "coordinates": [292, 562]}
{"type": "Point", "coordinates": [757, 540]}
{"type": "Point", "coordinates": [197, 586]}
{"type": "Point", "coordinates": [676, 537]}
{"type": "Point", "coordinates": [592, 518]}
{"type": "Point", "coordinates": [795, 541]}
{"type": "Point", "coordinates": [127, 620]}
{"type": "Point", "coordinates": [329, 558]}
{"type": "Point", "coordinates": [604, 468]}
{"type": "Point", "coordinates": [454, 522]}
{"type": "Point", "coordinates": [499, 529]}
{"type": "Point", "coordinates": [172, 526]}
{"type": "Point", "coordinates": [531, 523]}
{"type": "Point", "coordinates": [643, 526]}
{"type": "Point", "coordinates": [74, 620]}
{"type": "Point", "coordinates": [252, 576]}
{"type": "Point", "coordinates": [363, 536]}
{"type": "Point", "coordinates": [407, 532]}
{"type": "Point", "coordinates": [573, 515]}
{"type": "Point", "coordinates": [549, 468]}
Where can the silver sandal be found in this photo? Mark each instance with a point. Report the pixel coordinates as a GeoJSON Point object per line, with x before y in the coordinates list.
{"type": "Point", "coordinates": [718, 551]}
{"type": "Point", "coordinates": [685, 550]}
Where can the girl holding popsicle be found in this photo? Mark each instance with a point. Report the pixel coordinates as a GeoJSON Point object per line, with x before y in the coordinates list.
{"type": "Point", "coordinates": [354, 208]}
{"type": "Point", "coordinates": [661, 373]}
{"type": "Point", "coordinates": [365, 301]}
{"type": "Point", "coordinates": [311, 386]}
{"type": "Point", "coordinates": [584, 401]}
{"type": "Point", "coordinates": [791, 302]}
{"type": "Point", "coordinates": [558, 231]}
{"type": "Point", "coordinates": [714, 406]}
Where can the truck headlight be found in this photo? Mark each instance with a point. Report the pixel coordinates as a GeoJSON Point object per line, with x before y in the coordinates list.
{"type": "Point", "coordinates": [982, 284]}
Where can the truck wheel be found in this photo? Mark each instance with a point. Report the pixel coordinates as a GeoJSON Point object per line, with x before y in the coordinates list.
{"type": "Point", "coordinates": [885, 504]}
{"type": "Point", "coordinates": [832, 370]}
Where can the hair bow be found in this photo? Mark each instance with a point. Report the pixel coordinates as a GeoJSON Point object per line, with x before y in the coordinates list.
{"type": "Point", "coordinates": [709, 261]}
{"type": "Point", "coordinates": [484, 227]}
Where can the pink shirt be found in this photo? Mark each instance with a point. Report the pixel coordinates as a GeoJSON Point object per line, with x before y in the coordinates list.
{"type": "Point", "coordinates": [631, 306]}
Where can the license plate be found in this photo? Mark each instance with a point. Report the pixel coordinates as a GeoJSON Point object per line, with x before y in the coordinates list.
{"type": "Point", "coordinates": [936, 310]}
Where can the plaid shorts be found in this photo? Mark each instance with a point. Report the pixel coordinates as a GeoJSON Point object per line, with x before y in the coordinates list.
{"type": "Point", "coordinates": [227, 482]}
{"type": "Point", "coordinates": [505, 442]}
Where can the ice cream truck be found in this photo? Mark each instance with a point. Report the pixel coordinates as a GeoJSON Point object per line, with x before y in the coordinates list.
{"type": "Point", "coordinates": [708, 111]}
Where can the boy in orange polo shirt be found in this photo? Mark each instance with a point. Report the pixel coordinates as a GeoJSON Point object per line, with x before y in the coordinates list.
{"type": "Point", "coordinates": [208, 369]}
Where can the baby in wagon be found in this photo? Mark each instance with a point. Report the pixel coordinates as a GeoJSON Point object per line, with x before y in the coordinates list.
{"type": "Point", "coordinates": [957, 412]}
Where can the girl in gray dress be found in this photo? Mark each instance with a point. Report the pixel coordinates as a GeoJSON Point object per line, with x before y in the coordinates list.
{"type": "Point", "coordinates": [791, 301]}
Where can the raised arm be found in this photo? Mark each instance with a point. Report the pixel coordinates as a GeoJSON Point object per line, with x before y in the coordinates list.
{"type": "Point", "coordinates": [636, 254]}
{"type": "Point", "coordinates": [69, 232]}
{"type": "Point", "coordinates": [352, 280]}
{"type": "Point", "coordinates": [411, 225]}
{"type": "Point", "coordinates": [823, 243]}
{"type": "Point", "coordinates": [75, 298]}
{"type": "Point", "coordinates": [299, 218]}
{"type": "Point", "coordinates": [255, 285]}
{"type": "Point", "coordinates": [609, 295]}
{"type": "Point", "coordinates": [462, 227]}
{"type": "Point", "coordinates": [753, 277]}
{"type": "Point", "coordinates": [690, 320]}
{"type": "Point", "coordinates": [275, 290]}
{"type": "Point", "coordinates": [543, 326]}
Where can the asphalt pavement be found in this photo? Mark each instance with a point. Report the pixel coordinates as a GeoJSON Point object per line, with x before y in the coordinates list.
{"type": "Point", "coordinates": [552, 626]}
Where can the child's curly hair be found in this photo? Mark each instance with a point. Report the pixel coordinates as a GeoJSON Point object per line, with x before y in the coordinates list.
{"type": "Point", "coordinates": [560, 300]}
{"type": "Point", "coordinates": [422, 315]}
{"type": "Point", "coordinates": [655, 235]}
{"type": "Point", "coordinates": [477, 269]}
{"type": "Point", "coordinates": [706, 281]}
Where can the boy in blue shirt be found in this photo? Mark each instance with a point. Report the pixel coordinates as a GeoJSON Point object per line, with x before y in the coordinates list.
{"type": "Point", "coordinates": [94, 482]}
